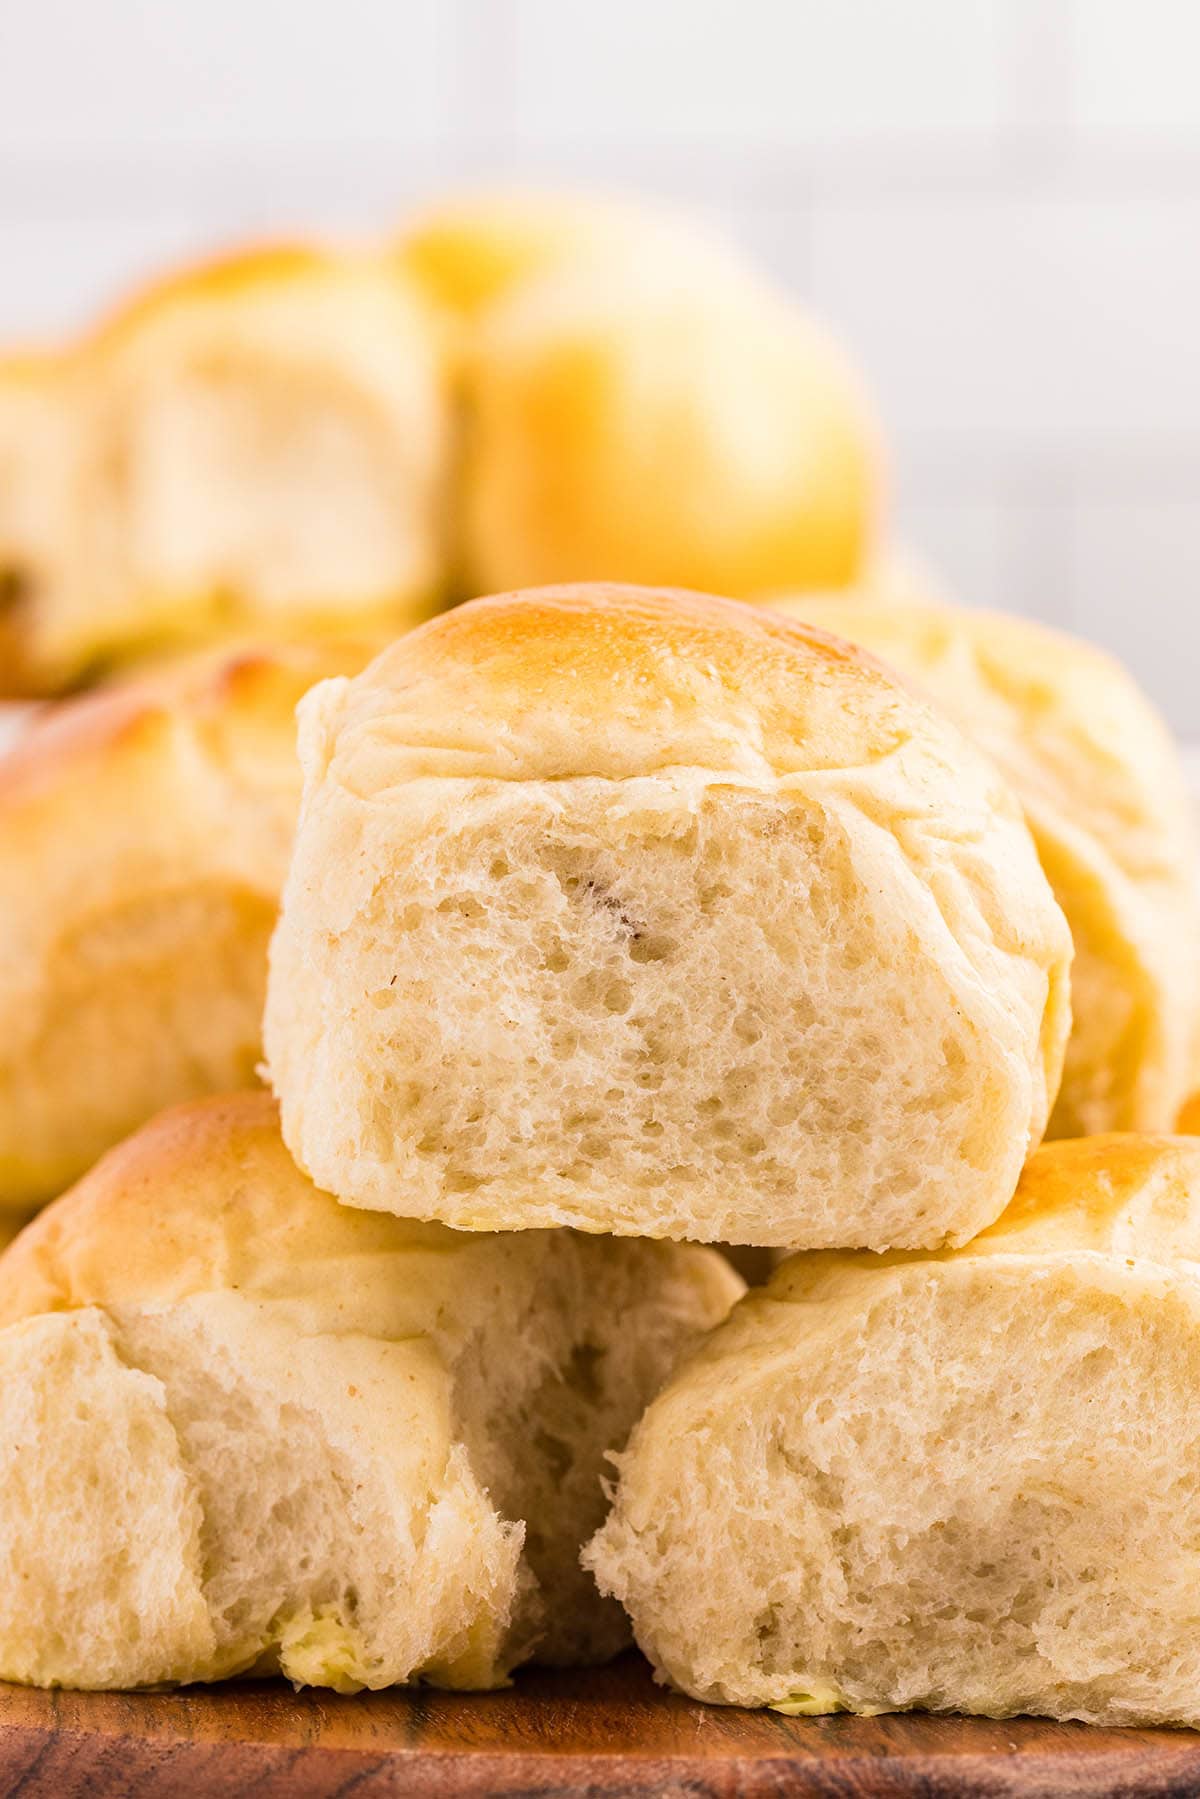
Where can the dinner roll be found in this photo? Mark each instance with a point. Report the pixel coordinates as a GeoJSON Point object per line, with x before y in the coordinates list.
{"type": "Point", "coordinates": [659, 914]}
{"type": "Point", "coordinates": [1104, 794]}
{"type": "Point", "coordinates": [966, 1482]}
{"type": "Point", "coordinates": [243, 1429]}
{"type": "Point", "coordinates": [474, 250]}
{"type": "Point", "coordinates": [663, 424]}
{"type": "Point", "coordinates": [144, 834]}
{"type": "Point", "coordinates": [264, 447]}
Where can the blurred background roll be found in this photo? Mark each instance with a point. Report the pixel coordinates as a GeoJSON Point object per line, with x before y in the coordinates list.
{"type": "Point", "coordinates": [472, 251]}
{"type": "Point", "coordinates": [992, 203]}
{"type": "Point", "coordinates": [668, 424]}
{"type": "Point", "coordinates": [261, 444]}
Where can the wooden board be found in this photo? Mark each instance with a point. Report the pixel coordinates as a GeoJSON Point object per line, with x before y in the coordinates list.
{"type": "Point", "coordinates": [604, 1732]}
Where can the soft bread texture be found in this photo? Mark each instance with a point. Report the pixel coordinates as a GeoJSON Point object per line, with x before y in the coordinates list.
{"type": "Point", "coordinates": [669, 422]}
{"type": "Point", "coordinates": [263, 445]}
{"type": "Point", "coordinates": [245, 1429]}
{"type": "Point", "coordinates": [144, 836]}
{"type": "Point", "coordinates": [968, 1482]}
{"type": "Point", "coordinates": [1106, 800]}
{"type": "Point", "coordinates": [658, 914]}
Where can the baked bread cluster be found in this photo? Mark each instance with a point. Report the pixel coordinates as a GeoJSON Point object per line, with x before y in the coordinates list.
{"type": "Point", "coordinates": [615, 915]}
{"type": "Point", "coordinates": [260, 444]}
{"type": "Point", "coordinates": [606, 922]}
{"type": "Point", "coordinates": [319, 438]}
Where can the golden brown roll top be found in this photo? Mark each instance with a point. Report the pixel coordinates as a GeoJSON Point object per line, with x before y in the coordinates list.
{"type": "Point", "coordinates": [666, 425]}
{"type": "Point", "coordinates": [654, 913]}
{"type": "Point", "coordinates": [597, 679]}
{"type": "Point", "coordinates": [202, 1198]}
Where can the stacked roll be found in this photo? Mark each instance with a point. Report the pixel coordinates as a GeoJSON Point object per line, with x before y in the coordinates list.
{"type": "Point", "coordinates": [366, 1446]}
{"type": "Point", "coordinates": [606, 923]}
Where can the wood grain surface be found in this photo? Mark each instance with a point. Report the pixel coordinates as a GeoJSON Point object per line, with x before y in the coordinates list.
{"type": "Point", "coordinates": [604, 1732]}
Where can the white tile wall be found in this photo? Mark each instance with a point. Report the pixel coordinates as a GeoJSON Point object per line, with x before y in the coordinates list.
{"type": "Point", "coordinates": [997, 200]}
{"type": "Point", "coordinates": [1052, 323]}
{"type": "Point", "coordinates": [975, 551]}
{"type": "Point", "coordinates": [739, 74]}
{"type": "Point", "coordinates": [54, 270]}
{"type": "Point", "coordinates": [221, 74]}
{"type": "Point", "coordinates": [1136, 70]}
{"type": "Point", "coordinates": [1136, 567]}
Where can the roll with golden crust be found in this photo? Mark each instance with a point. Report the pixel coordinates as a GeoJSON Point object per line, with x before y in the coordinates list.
{"type": "Point", "coordinates": [966, 1482]}
{"type": "Point", "coordinates": [244, 1429]}
{"type": "Point", "coordinates": [144, 836]}
{"type": "Point", "coordinates": [1105, 797]}
{"type": "Point", "coordinates": [669, 422]}
{"type": "Point", "coordinates": [262, 446]}
{"type": "Point", "coordinates": [658, 914]}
